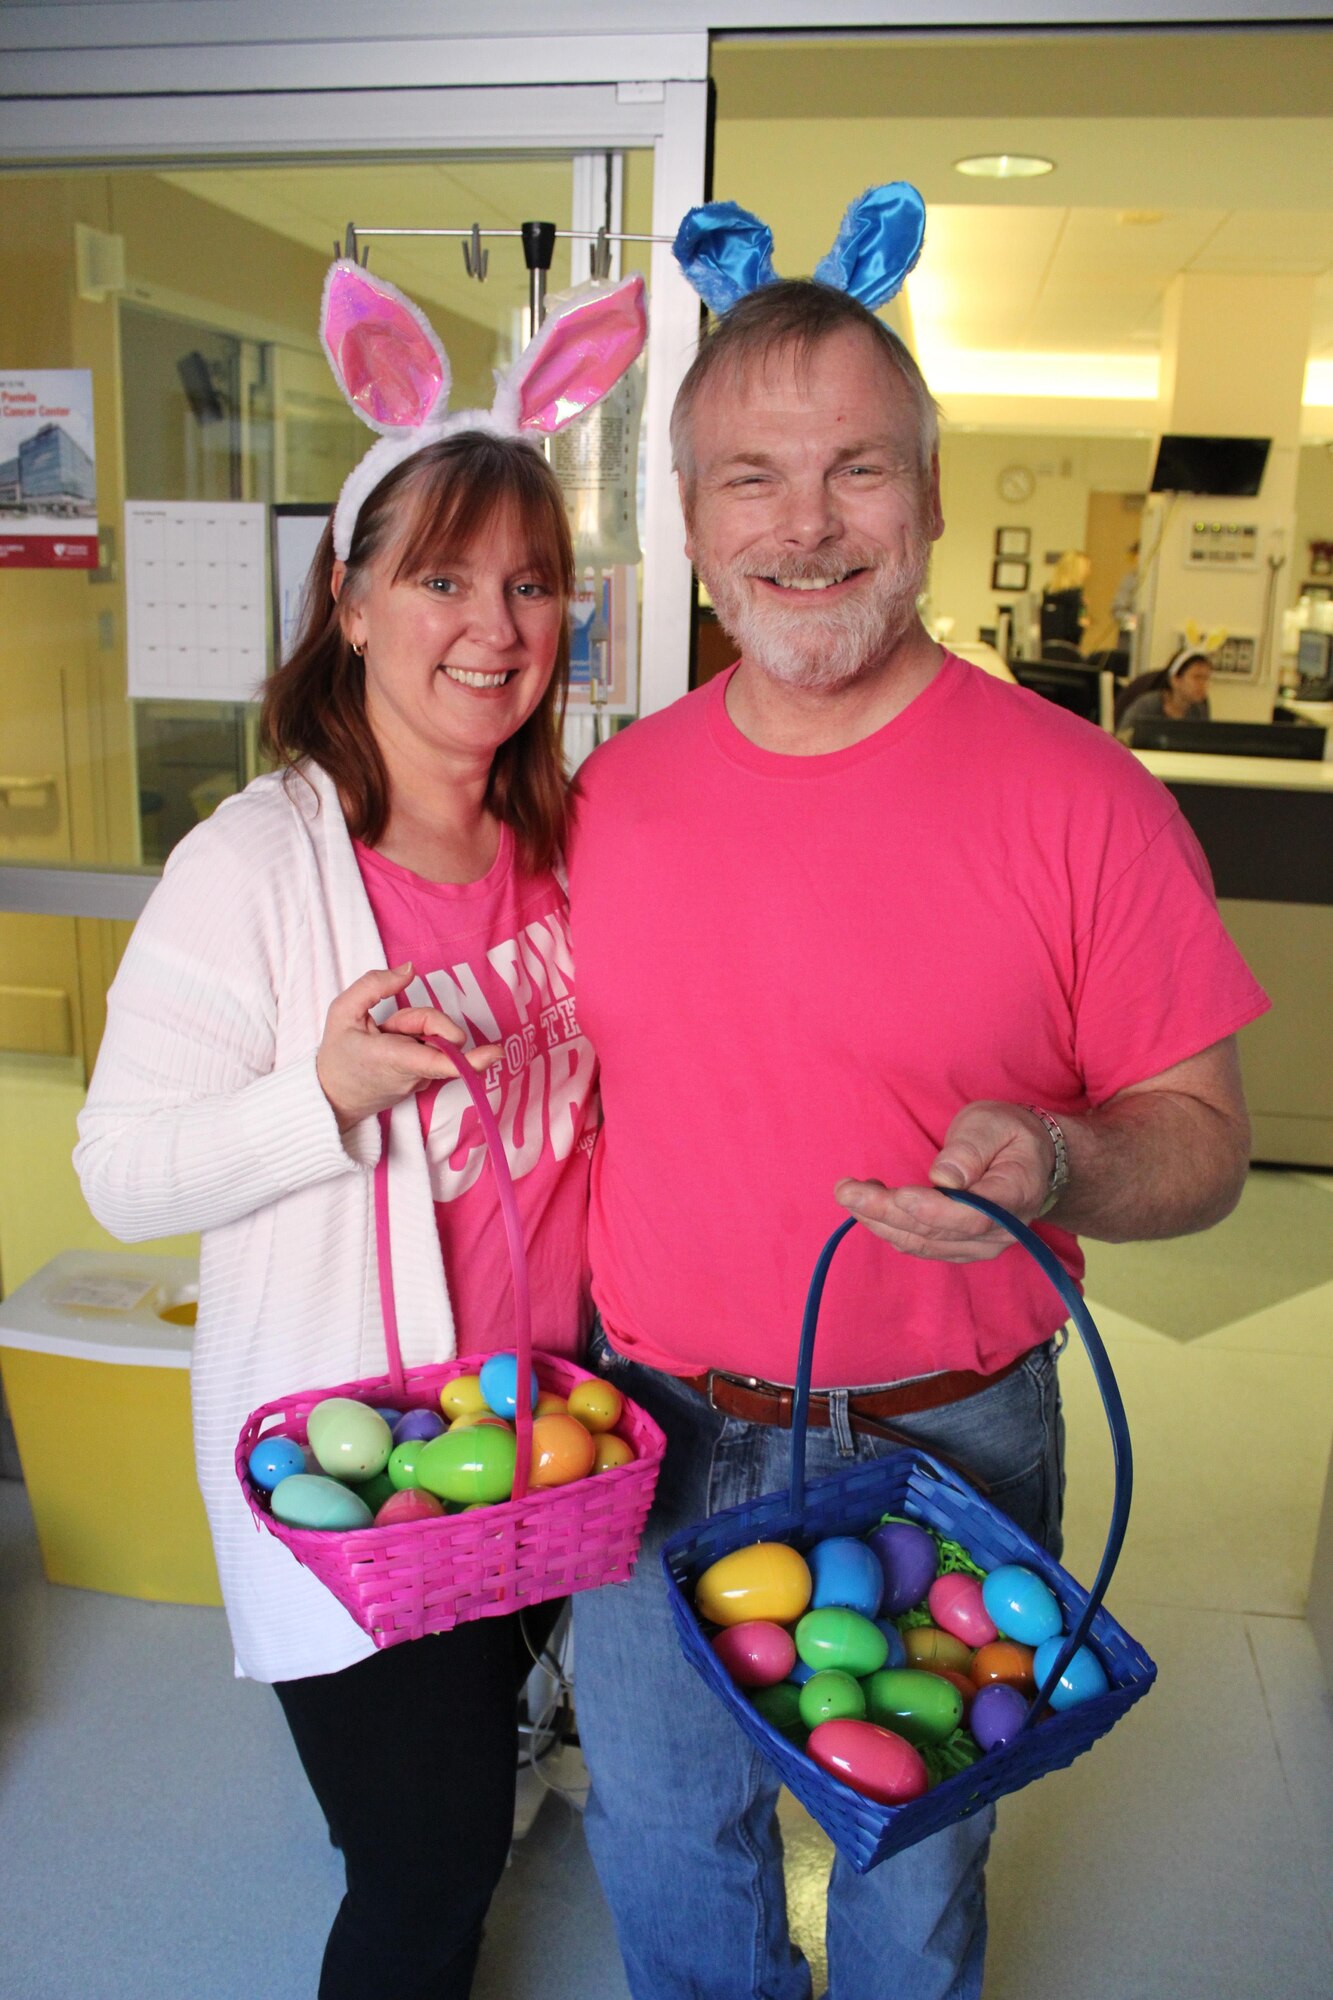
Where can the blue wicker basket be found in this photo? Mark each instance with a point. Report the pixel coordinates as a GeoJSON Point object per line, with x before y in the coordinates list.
{"type": "Point", "coordinates": [914, 1484]}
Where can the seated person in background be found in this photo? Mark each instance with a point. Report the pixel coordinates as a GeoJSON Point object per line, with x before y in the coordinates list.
{"type": "Point", "coordinates": [1179, 692]}
{"type": "Point", "coordinates": [1063, 612]}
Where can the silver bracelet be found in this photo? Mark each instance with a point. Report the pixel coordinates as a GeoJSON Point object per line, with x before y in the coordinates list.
{"type": "Point", "coordinates": [1059, 1180]}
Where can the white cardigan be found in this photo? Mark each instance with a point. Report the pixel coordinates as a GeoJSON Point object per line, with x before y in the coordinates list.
{"type": "Point", "coordinates": [205, 1113]}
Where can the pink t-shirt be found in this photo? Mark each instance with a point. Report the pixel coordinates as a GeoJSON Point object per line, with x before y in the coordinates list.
{"type": "Point", "coordinates": [494, 956]}
{"type": "Point", "coordinates": [799, 968]}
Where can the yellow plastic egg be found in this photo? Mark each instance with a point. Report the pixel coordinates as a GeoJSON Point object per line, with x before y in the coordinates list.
{"type": "Point", "coordinates": [597, 1405]}
{"type": "Point", "coordinates": [462, 1396]}
{"type": "Point", "coordinates": [548, 1404]}
{"type": "Point", "coordinates": [768, 1580]}
{"type": "Point", "coordinates": [609, 1450]}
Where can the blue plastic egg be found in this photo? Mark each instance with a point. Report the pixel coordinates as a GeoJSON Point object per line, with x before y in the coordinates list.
{"type": "Point", "coordinates": [389, 1414]}
{"type": "Point", "coordinates": [1020, 1605]}
{"type": "Point", "coordinates": [897, 1650]}
{"type": "Point", "coordinates": [273, 1459]}
{"type": "Point", "coordinates": [499, 1384]}
{"type": "Point", "coordinates": [415, 1426]}
{"type": "Point", "coordinates": [845, 1572]}
{"type": "Point", "coordinates": [1082, 1679]}
{"type": "Point", "coordinates": [801, 1673]}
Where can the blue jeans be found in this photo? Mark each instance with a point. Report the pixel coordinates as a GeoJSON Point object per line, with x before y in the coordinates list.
{"type": "Point", "coordinates": [681, 1821]}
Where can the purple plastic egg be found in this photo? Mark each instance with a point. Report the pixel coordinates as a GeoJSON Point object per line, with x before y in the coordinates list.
{"type": "Point", "coordinates": [996, 1714]}
{"type": "Point", "coordinates": [908, 1559]}
{"type": "Point", "coordinates": [415, 1426]}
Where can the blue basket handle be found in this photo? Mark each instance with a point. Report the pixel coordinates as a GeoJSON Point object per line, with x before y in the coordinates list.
{"type": "Point", "coordinates": [1072, 1299]}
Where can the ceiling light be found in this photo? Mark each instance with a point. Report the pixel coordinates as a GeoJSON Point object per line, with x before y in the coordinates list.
{"type": "Point", "coordinates": [1004, 166]}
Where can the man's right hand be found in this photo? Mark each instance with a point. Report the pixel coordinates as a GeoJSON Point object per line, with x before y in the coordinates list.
{"type": "Point", "coordinates": [365, 1066]}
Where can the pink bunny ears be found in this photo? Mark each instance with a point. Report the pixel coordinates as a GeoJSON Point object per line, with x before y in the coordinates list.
{"type": "Point", "coordinates": [388, 362]}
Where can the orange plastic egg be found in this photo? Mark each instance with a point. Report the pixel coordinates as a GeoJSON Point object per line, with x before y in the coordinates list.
{"type": "Point", "coordinates": [548, 1404]}
{"type": "Point", "coordinates": [1005, 1661]}
{"type": "Point", "coordinates": [597, 1405]}
{"type": "Point", "coordinates": [927, 1646]}
{"type": "Point", "coordinates": [609, 1450]}
{"type": "Point", "coordinates": [561, 1451]}
{"type": "Point", "coordinates": [461, 1396]}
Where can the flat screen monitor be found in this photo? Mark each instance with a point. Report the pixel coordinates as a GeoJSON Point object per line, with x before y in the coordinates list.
{"type": "Point", "coordinates": [1217, 466]}
{"type": "Point", "coordinates": [1314, 664]}
{"type": "Point", "coordinates": [1299, 741]}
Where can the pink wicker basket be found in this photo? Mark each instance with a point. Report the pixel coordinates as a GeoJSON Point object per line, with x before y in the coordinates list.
{"type": "Point", "coordinates": [426, 1576]}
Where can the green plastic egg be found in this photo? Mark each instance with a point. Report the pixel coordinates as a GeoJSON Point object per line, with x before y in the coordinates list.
{"type": "Point", "coordinates": [309, 1500]}
{"type": "Point", "coordinates": [780, 1705]}
{"type": "Point", "coordinates": [403, 1462]}
{"type": "Point", "coordinates": [472, 1466]}
{"type": "Point", "coordinates": [831, 1696]}
{"type": "Point", "coordinates": [375, 1491]}
{"type": "Point", "coordinates": [925, 1708]}
{"type": "Point", "coordinates": [349, 1439]}
{"type": "Point", "coordinates": [836, 1637]}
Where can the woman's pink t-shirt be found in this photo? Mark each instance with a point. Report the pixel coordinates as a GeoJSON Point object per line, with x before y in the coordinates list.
{"type": "Point", "coordinates": [494, 956]}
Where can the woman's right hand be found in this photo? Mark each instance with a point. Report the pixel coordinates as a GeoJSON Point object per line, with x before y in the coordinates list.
{"type": "Point", "coordinates": [366, 1066]}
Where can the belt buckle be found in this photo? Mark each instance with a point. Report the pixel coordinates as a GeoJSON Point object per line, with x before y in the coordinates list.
{"type": "Point", "coordinates": [754, 1382]}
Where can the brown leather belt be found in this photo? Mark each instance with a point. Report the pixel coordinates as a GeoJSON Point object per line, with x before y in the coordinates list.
{"type": "Point", "coordinates": [756, 1402]}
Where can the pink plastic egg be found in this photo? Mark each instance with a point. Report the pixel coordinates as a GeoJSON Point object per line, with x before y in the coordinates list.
{"type": "Point", "coordinates": [873, 1761]}
{"type": "Point", "coordinates": [757, 1653]}
{"type": "Point", "coordinates": [412, 1504]}
{"type": "Point", "coordinates": [957, 1606]}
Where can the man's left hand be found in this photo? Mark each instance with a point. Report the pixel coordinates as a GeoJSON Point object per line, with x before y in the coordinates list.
{"type": "Point", "coordinates": [1002, 1151]}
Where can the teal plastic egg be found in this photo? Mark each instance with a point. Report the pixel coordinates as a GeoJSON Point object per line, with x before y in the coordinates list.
{"type": "Point", "coordinates": [499, 1384]}
{"type": "Point", "coordinates": [925, 1708]}
{"type": "Point", "coordinates": [836, 1637]}
{"type": "Point", "coordinates": [1021, 1605]}
{"type": "Point", "coordinates": [349, 1439]}
{"type": "Point", "coordinates": [829, 1695]}
{"type": "Point", "coordinates": [1084, 1677]}
{"type": "Point", "coordinates": [474, 1466]}
{"type": "Point", "coordinates": [310, 1500]}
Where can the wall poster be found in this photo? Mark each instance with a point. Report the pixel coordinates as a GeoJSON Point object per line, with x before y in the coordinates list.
{"type": "Point", "coordinates": [48, 474]}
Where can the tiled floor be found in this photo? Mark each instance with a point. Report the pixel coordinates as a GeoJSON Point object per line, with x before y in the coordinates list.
{"type": "Point", "coordinates": [157, 1838]}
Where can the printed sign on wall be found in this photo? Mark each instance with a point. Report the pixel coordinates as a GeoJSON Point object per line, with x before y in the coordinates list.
{"type": "Point", "coordinates": [48, 482]}
{"type": "Point", "coordinates": [195, 599]}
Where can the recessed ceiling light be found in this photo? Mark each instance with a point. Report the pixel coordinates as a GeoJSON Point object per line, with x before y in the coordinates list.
{"type": "Point", "coordinates": [1004, 166]}
{"type": "Point", "coordinates": [1140, 218]}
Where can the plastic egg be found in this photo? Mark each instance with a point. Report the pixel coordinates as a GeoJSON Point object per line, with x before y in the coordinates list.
{"type": "Point", "coordinates": [548, 1404]}
{"type": "Point", "coordinates": [389, 1413]}
{"type": "Point", "coordinates": [767, 1580]}
{"type": "Point", "coordinates": [562, 1451]}
{"type": "Point", "coordinates": [417, 1424]}
{"type": "Point", "coordinates": [273, 1459]}
{"type": "Point", "coordinates": [597, 1405]}
{"type": "Point", "coordinates": [1021, 1605]}
{"type": "Point", "coordinates": [844, 1571]}
{"type": "Point", "coordinates": [997, 1714]}
{"type": "Point", "coordinates": [927, 1646]}
{"type": "Point", "coordinates": [908, 1559]}
{"type": "Point", "coordinates": [499, 1384]}
{"type": "Point", "coordinates": [873, 1761]}
{"type": "Point", "coordinates": [966, 1688]}
{"type": "Point", "coordinates": [311, 1500]}
{"type": "Point", "coordinates": [608, 1451]}
{"type": "Point", "coordinates": [349, 1439]}
{"type": "Point", "coordinates": [475, 1465]}
{"type": "Point", "coordinates": [461, 1394]}
{"type": "Point", "coordinates": [756, 1654]}
{"type": "Point", "coordinates": [800, 1674]}
{"type": "Point", "coordinates": [413, 1504]}
{"type": "Point", "coordinates": [956, 1604]}
{"type": "Point", "coordinates": [375, 1491]}
{"type": "Point", "coordinates": [1082, 1679]}
{"type": "Point", "coordinates": [897, 1651]}
{"type": "Point", "coordinates": [925, 1708]}
{"type": "Point", "coordinates": [829, 1695]}
{"type": "Point", "coordinates": [1006, 1661]}
{"type": "Point", "coordinates": [780, 1706]}
{"type": "Point", "coordinates": [404, 1461]}
{"type": "Point", "coordinates": [836, 1637]}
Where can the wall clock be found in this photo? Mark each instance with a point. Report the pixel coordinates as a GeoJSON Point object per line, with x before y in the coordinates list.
{"type": "Point", "coordinates": [1017, 483]}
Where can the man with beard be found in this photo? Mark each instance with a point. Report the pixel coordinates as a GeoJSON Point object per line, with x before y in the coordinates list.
{"type": "Point", "coordinates": [854, 923]}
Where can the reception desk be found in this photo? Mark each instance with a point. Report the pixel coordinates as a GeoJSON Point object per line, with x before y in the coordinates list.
{"type": "Point", "coordinates": [1266, 826]}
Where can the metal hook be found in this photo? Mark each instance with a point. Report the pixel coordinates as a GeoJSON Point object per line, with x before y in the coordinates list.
{"type": "Point", "coordinates": [349, 248]}
{"type": "Point", "coordinates": [475, 259]}
{"type": "Point", "coordinates": [601, 255]}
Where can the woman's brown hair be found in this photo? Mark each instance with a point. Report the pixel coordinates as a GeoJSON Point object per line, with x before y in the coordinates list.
{"type": "Point", "coordinates": [422, 514]}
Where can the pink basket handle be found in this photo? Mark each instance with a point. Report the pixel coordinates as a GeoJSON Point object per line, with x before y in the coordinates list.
{"type": "Point", "coordinates": [513, 1228]}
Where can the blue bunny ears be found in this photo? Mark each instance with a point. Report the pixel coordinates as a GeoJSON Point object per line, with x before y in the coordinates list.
{"type": "Point", "coordinates": [726, 252]}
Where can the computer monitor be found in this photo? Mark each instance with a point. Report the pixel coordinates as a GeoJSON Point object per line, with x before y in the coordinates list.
{"type": "Point", "coordinates": [1296, 740]}
{"type": "Point", "coordinates": [1314, 664]}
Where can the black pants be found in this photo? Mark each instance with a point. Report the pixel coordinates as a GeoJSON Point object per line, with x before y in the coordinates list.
{"type": "Point", "coordinates": [412, 1755]}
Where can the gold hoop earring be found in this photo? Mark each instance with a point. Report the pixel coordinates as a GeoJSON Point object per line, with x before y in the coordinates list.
{"type": "Point", "coordinates": [360, 651]}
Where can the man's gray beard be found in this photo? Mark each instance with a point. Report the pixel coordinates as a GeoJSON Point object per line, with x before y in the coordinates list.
{"type": "Point", "coordinates": [821, 649]}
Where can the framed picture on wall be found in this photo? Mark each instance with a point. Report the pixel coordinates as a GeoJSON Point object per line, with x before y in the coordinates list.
{"type": "Point", "coordinates": [1013, 542]}
{"type": "Point", "coordinates": [1006, 573]}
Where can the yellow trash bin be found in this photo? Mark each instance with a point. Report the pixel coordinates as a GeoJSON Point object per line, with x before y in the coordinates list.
{"type": "Point", "coordinates": [95, 1354]}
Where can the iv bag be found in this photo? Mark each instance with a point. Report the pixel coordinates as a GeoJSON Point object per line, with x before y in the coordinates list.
{"type": "Point", "coordinates": [596, 460]}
